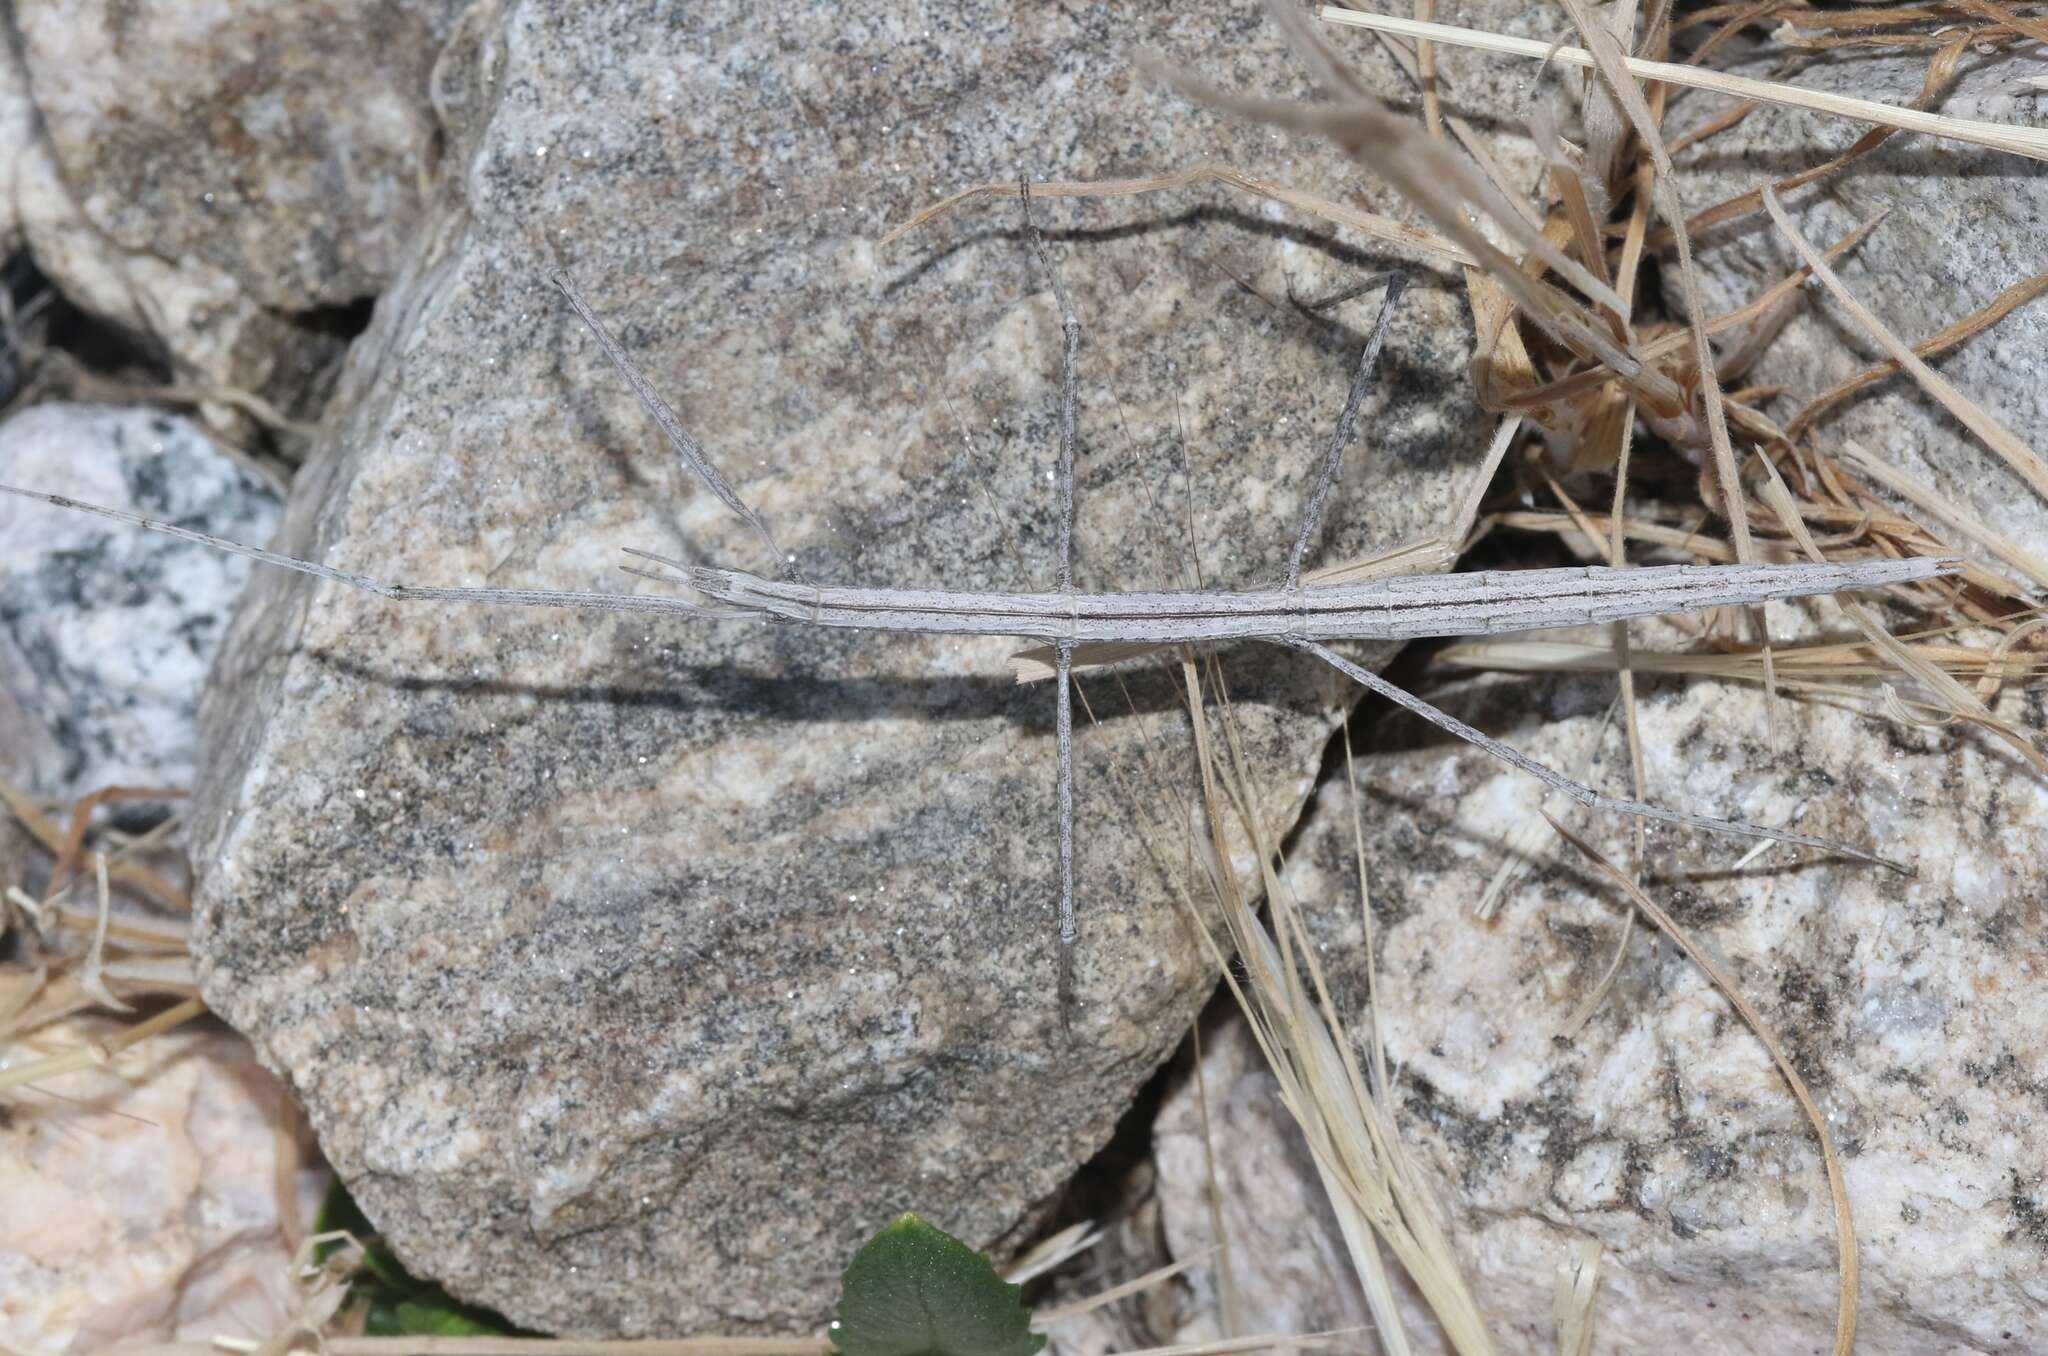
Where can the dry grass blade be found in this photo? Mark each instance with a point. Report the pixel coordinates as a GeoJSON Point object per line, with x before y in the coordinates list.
{"type": "Point", "coordinates": [121, 960]}
{"type": "Point", "coordinates": [1045, 1318]}
{"type": "Point", "coordinates": [1939, 76]}
{"type": "Point", "coordinates": [23, 807]}
{"type": "Point", "coordinates": [1947, 512]}
{"type": "Point", "coordinates": [1050, 1253]}
{"type": "Point", "coordinates": [1615, 67]}
{"type": "Point", "coordinates": [100, 1053]}
{"type": "Point", "coordinates": [1502, 360]}
{"type": "Point", "coordinates": [72, 851]}
{"type": "Point", "coordinates": [1578, 1285]}
{"type": "Point", "coordinates": [1606, 54]}
{"type": "Point", "coordinates": [2003, 305]}
{"type": "Point", "coordinates": [1763, 307]}
{"type": "Point", "coordinates": [1999, 14]}
{"type": "Point", "coordinates": [2024, 141]}
{"type": "Point", "coordinates": [1845, 1223]}
{"type": "Point", "coordinates": [1881, 17]}
{"type": "Point", "coordinates": [1349, 1132]}
{"type": "Point", "coordinates": [143, 976]}
{"type": "Point", "coordinates": [1311, 1341]}
{"type": "Point", "coordinates": [1445, 190]}
{"type": "Point", "coordinates": [1807, 663]}
{"type": "Point", "coordinates": [1973, 416]}
{"type": "Point", "coordinates": [1250, 941]}
{"type": "Point", "coordinates": [1961, 701]}
{"type": "Point", "coordinates": [90, 977]}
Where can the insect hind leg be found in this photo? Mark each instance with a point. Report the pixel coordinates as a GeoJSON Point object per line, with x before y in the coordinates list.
{"type": "Point", "coordinates": [1578, 791]}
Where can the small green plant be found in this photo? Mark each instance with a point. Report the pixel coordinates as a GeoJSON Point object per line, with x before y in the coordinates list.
{"type": "Point", "coordinates": [402, 1305]}
{"type": "Point", "coordinates": [913, 1290]}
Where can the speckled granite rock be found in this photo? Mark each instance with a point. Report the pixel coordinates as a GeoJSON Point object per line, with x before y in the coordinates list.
{"type": "Point", "coordinates": [106, 633]}
{"type": "Point", "coordinates": [17, 137]}
{"type": "Point", "coordinates": [140, 1203]}
{"type": "Point", "coordinates": [1289, 1269]}
{"type": "Point", "coordinates": [631, 972]}
{"type": "Point", "coordinates": [1912, 1006]}
{"type": "Point", "coordinates": [203, 173]}
{"type": "Point", "coordinates": [1964, 225]}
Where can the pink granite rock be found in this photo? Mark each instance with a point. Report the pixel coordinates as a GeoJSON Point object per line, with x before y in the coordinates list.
{"type": "Point", "coordinates": [139, 1203]}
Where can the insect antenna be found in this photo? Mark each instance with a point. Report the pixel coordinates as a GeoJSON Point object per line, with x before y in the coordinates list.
{"type": "Point", "coordinates": [386, 588]}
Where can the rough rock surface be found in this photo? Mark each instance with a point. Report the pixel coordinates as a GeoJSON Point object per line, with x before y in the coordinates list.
{"type": "Point", "coordinates": [1911, 1005]}
{"type": "Point", "coordinates": [632, 971]}
{"type": "Point", "coordinates": [1289, 1269]}
{"type": "Point", "coordinates": [203, 174]}
{"type": "Point", "coordinates": [106, 632]}
{"type": "Point", "coordinates": [139, 1203]}
{"type": "Point", "coordinates": [17, 137]}
{"type": "Point", "coordinates": [1964, 224]}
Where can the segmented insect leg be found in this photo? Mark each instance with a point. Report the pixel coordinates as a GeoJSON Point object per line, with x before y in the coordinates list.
{"type": "Point", "coordinates": [679, 437]}
{"type": "Point", "coordinates": [1063, 699]}
{"type": "Point", "coordinates": [1584, 795]}
{"type": "Point", "coordinates": [1347, 425]}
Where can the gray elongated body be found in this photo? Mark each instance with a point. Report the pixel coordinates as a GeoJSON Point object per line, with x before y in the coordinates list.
{"type": "Point", "coordinates": [1296, 615]}
{"type": "Point", "coordinates": [1484, 602]}
{"type": "Point", "coordinates": [1477, 603]}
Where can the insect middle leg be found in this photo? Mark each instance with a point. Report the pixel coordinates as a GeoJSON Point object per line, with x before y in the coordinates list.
{"type": "Point", "coordinates": [1063, 695]}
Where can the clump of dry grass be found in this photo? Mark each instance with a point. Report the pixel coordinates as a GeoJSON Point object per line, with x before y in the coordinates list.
{"type": "Point", "coordinates": [71, 954]}
{"type": "Point", "coordinates": [1346, 1117]}
{"type": "Point", "coordinates": [1565, 342]}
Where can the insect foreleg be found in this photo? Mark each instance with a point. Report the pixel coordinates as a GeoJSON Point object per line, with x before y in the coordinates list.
{"type": "Point", "coordinates": [679, 438]}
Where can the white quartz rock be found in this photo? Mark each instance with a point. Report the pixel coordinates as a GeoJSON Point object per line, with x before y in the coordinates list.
{"type": "Point", "coordinates": [106, 631]}
{"type": "Point", "coordinates": [1911, 1004]}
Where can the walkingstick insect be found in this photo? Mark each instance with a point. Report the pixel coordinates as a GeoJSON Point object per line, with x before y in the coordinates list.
{"type": "Point", "coordinates": [1083, 627]}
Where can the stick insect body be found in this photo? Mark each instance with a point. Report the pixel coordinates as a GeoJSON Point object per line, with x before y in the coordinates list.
{"type": "Point", "coordinates": [1294, 615]}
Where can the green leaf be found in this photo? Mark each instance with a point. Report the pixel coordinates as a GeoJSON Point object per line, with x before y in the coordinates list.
{"type": "Point", "coordinates": [431, 1318]}
{"type": "Point", "coordinates": [402, 1305]}
{"type": "Point", "coordinates": [340, 1211]}
{"type": "Point", "coordinates": [913, 1290]}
